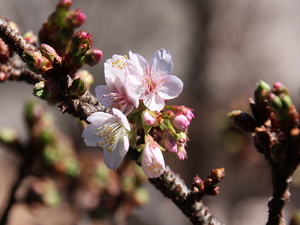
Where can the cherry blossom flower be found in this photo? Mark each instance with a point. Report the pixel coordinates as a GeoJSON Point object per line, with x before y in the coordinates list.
{"type": "Point", "coordinates": [118, 93]}
{"type": "Point", "coordinates": [108, 131]}
{"type": "Point", "coordinates": [152, 81]}
{"type": "Point", "coordinates": [152, 161]}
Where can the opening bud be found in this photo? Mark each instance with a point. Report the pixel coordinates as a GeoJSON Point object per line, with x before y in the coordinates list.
{"type": "Point", "coordinates": [78, 87]}
{"type": "Point", "coordinates": [41, 90]}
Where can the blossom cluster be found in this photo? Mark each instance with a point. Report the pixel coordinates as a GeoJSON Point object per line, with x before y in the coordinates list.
{"type": "Point", "coordinates": [135, 94]}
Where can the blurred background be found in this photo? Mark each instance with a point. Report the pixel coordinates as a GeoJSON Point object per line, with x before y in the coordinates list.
{"type": "Point", "coordinates": [220, 51]}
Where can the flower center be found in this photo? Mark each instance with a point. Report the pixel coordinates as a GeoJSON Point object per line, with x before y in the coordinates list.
{"type": "Point", "coordinates": [109, 135]}
{"type": "Point", "coordinates": [120, 63]}
{"type": "Point", "coordinates": [152, 81]}
{"type": "Point", "coordinates": [115, 100]}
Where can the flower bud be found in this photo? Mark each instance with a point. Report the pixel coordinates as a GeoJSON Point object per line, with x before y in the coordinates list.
{"type": "Point", "coordinates": [48, 52]}
{"type": "Point", "coordinates": [5, 52]}
{"type": "Point", "coordinates": [92, 57]}
{"type": "Point", "coordinates": [213, 191]}
{"type": "Point", "coordinates": [78, 87]}
{"type": "Point", "coordinates": [242, 121]}
{"type": "Point", "coordinates": [198, 184]}
{"type": "Point", "coordinates": [186, 111]}
{"type": "Point", "coordinates": [63, 5]}
{"type": "Point", "coordinates": [152, 160]}
{"type": "Point", "coordinates": [148, 117]}
{"type": "Point", "coordinates": [30, 37]}
{"type": "Point", "coordinates": [36, 62]}
{"type": "Point", "coordinates": [279, 88]}
{"type": "Point", "coordinates": [181, 122]}
{"type": "Point", "coordinates": [74, 18]}
{"type": "Point", "coordinates": [86, 76]}
{"type": "Point", "coordinates": [216, 175]}
{"type": "Point", "coordinates": [181, 153]}
{"type": "Point", "coordinates": [41, 90]}
{"type": "Point", "coordinates": [169, 141]}
{"type": "Point", "coordinates": [262, 92]}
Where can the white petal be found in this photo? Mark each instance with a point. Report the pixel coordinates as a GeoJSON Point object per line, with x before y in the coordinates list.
{"type": "Point", "coordinates": [137, 84]}
{"type": "Point", "coordinates": [161, 62]}
{"type": "Point", "coordinates": [154, 102]}
{"type": "Point", "coordinates": [171, 88]}
{"type": "Point", "coordinates": [101, 117]}
{"type": "Point", "coordinates": [89, 135]}
{"type": "Point", "coordinates": [122, 146]}
{"type": "Point", "coordinates": [130, 92]}
{"type": "Point", "coordinates": [121, 118]}
{"type": "Point", "coordinates": [135, 64]}
{"type": "Point", "coordinates": [102, 90]}
{"type": "Point", "coordinates": [112, 159]}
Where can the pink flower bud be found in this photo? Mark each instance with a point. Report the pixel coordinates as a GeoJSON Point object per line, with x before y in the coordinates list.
{"type": "Point", "coordinates": [148, 118]}
{"type": "Point", "coordinates": [186, 111]}
{"type": "Point", "coordinates": [75, 18]}
{"type": "Point", "coordinates": [152, 160]}
{"type": "Point", "coordinates": [92, 57]}
{"type": "Point", "coordinates": [181, 122]}
{"type": "Point", "coordinates": [181, 153]}
{"type": "Point", "coordinates": [169, 142]}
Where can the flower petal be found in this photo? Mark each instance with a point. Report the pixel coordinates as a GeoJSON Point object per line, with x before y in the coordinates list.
{"type": "Point", "coordinates": [112, 159]}
{"type": "Point", "coordinates": [154, 102]}
{"type": "Point", "coordinates": [172, 87]}
{"type": "Point", "coordinates": [123, 146]}
{"type": "Point", "coordinates": [161, 62]}
{"type": "Point", "coordinates": [121, 118]}
{"type": "Point", "coordinates": [101, 117]}
{"type": "Point", "coordinates": [136, 63]}
{"type": "Point", "coordinates": [89, 134]}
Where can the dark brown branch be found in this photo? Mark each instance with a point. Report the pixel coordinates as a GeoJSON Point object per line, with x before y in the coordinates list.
{"type": "Point", "coordinates": [174, 188]}
{"type": "Point", "coordinates": [282, 172]}
{"type": "Point", "coordinates": [13, 38]}
{"type": "Point", "coordinates": [15, 69]}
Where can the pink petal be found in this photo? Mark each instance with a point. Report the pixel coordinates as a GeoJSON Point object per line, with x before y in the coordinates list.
{"type": "Point", "coordinates": [171, 88]}
{"type": "Point", "coordinates": [161, 62]}
{"type": "Point", "coordinates": [154, 102]}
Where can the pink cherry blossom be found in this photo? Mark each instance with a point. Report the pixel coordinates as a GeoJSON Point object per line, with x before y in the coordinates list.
{"type": "Point", "coordinates": [152, 81]}
{"type": "Point", "coordinates": [118, 93]}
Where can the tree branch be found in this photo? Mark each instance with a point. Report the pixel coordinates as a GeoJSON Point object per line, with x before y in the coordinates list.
{"type": "Point", "coordinates": [174, 188]}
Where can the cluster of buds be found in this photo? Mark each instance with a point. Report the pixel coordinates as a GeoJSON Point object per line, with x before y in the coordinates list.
{"type": "Point", "coordinates": [46, 61]}
{"type": "Point", "coordinates": [79, 52]}
{"type": "Point", "coordinates": [208, 186]}
{"type": "Point", "coordinates": [273, 107]}
{"type": "Point", "coordinates": [164, 131]}
{"type": "Point", "coordinates": [275, 122]}
{"type": "Point", "coordinates": [174, 122]}
{"type": "Point", "coordinates": [59, 27]}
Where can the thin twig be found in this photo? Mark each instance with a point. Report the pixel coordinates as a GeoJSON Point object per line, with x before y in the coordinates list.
{"type": "Point", "coordinates": [174, 188]}
{"type": "Point", "coordinates": [13, 38]}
